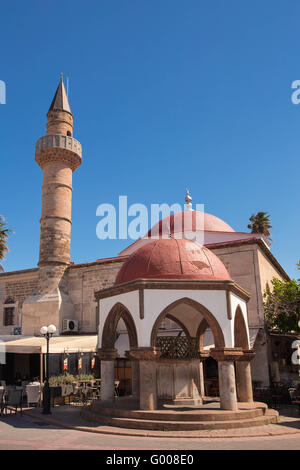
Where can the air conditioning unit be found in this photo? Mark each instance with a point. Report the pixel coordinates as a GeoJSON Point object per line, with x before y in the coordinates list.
{"type": "Point", "coordinates": [69, 326]}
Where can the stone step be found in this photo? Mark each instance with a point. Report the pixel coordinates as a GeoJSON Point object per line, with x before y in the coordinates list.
{"type": "Point", "coordinates": [160, 425]}
{"type": "Point", "coordinates": [168, 415]}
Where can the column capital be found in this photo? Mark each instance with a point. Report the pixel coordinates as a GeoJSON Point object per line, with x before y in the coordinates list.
{"type": "Point", "coordinates": [203, 355]}
{"type": "Point", "coordinates": [107, 354]}
{"type": "Point", "coordinates": [226, 354]}
{"type": "Point", "coordinates": [144, 353]}
{"type": "Point", "coordinates": [248, 355]}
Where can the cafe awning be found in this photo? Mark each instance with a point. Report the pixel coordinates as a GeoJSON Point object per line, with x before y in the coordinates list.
{"type": "Point", "coordinates": [58, 344]}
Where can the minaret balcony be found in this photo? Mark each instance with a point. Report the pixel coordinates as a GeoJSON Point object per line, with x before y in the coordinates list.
{"type": "Point", "coordinates": [47, 146]}
{"type": "Point", "coordinates": [58, 140]}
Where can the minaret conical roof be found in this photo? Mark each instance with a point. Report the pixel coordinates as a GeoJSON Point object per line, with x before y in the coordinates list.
{"type": "Point", "coordinates": [60, 101]}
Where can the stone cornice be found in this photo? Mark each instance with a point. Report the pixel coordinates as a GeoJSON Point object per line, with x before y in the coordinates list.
{"type": "Point", "coordinates": [117, 259]}
{"type": "Point", "coordinates": [251, 241]}
{"type": "Point", "coordinates": [226, 354]}
{"type": "Point", "coordinates": [19, 273]}
{"type": "Point", "coordinates": [248, 355]}
{"type": "Point", "coordinates": [107, 354]}
{"type": "Point", "coordinates": [186, 284]}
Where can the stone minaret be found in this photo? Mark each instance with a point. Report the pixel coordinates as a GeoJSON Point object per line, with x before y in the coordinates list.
{"type": "Point", "coordinates": [58, 155]}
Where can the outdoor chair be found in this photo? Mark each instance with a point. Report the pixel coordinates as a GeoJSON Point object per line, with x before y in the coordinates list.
{"type": "Point", "coordinates": [24, 383]}
{"type": "Point", "coordinates": [33, 393]}
{"type": "Point", "coordinates": [98, 392]}
{"type": "Point", "coordinates": [78, 395]}
{"type": "Point", "coordinates": [295, 398]}
{"type": "Point", "coordinates": [13, 401]}
{"type": "Point", "coordinates": [87, 395]}
{"type": "Point", "coordinates": [67, 391]}
{"type": "Point", "coordinates": [117, 383]}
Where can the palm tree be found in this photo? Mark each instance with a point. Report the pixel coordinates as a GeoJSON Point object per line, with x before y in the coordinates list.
{"type": "Point", "coordinates": [260, 223]}
{"type": "Point", "coordinates": [4, 232]}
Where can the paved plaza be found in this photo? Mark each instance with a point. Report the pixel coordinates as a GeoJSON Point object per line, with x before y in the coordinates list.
{"type": "Point", "coordinates": [32, 432]}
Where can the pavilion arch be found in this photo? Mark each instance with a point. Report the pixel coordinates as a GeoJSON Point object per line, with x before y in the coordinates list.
{"type": "Point", "coordinates": [117, 312]}
{"type": "Point", "coordinates": [200, 334]}
{"type": "Point", "coordinates": [208, 316]}
{"type": "Point", "coordinates": [240, 330]}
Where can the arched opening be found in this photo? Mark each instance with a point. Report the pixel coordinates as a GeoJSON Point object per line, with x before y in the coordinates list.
{"type": "Point", "coordinates": [197, 313]}
{"type": "Point", "coordinates": [240, 330]}
{"type": "Point", "coordinates": [119, 332]}
{"type": "Point", "coordinates": [205, 340]}
{"type": "Point", "coordinates": [200, 331]}
{"type": "Point", "coordinates": [9, 312]}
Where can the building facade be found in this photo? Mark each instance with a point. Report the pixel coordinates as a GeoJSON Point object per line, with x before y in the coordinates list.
{"type": "Point", "coordinates": [58, 291]}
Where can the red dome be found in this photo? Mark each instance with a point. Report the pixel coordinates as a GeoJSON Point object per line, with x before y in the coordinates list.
{"type": "Point", "coordinates": [189, 221]}
{"type": "Point", "coordinates": [172, 259]}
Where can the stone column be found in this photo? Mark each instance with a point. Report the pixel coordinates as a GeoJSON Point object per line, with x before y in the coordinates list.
{"type": "Point", "coordinates": [243, 377]}
{"type": "Point", "coordinates": [135, 379]}
{"type": "Point", "coordinates": [147, 364]}
{"type": "Point", "coordinates": [227, 387]}
{"type": "Point", "coordinates": [202, 355]}
{"type": "Point", "coordinates": [107, 357]}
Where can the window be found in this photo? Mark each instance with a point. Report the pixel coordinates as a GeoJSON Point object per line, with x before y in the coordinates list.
{"type": "Point", "coordinates": [9, 312]}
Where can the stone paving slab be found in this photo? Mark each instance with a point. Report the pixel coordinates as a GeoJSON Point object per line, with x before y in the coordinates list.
{"type": "Point", "coordinates": [69, 417]}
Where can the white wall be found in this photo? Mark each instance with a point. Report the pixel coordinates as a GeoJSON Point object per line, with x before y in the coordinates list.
{"type": "Point", "coordinates": [156, 300]}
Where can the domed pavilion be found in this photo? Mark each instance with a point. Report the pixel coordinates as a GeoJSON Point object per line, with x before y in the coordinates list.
{"type": "Point", "coordinates": [184, 281]}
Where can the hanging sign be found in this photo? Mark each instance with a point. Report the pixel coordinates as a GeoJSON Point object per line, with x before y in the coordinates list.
{"type": "Point", "coordinates": [66, 363]}
{"type": "Point", "coordinates": [93, 361]}
{"type": "Point", "coordinates": [79, 363]}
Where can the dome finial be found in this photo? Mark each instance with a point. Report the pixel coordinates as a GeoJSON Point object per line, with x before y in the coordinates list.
{"type": "Point", "coordinates": [188, 200]}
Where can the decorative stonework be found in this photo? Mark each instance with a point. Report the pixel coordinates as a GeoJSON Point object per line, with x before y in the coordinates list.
{"type": "Point", "coordinates": [173, 347]}
{"type": "Point", "coordinates": [144, 354]}
{"type": "Point", "coordinates": [58, 148]}
{"type": "Point", "coordinates": [59, 141]}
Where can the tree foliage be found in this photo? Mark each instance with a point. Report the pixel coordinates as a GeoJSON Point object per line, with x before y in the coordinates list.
{"type": "Point", "coordinates": [260, 223]}
{"type": "Point", "coordinates": [4, 232]}
{"type": "Point", "coordinates": [282, 305]}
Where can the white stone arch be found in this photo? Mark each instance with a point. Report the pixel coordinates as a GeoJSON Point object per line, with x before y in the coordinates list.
{"type": "Point", "coordinates": [130, 300]}
{"type": "Point", "coordinates": [202, 312]}
{"type": "Point", "coordinates": [157, 300]}
{"type": "Point", "coordinates": [239, 304]}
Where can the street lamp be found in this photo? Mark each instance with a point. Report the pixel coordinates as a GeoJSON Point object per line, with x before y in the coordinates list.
{"type": "Point", "coordinates": [47, 332]}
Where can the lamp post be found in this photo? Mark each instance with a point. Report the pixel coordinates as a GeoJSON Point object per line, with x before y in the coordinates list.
{"type": "Point", "coordinates": [47, 332]}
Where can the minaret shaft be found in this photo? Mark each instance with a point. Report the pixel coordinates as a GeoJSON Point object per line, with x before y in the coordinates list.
{"type": "Point", "coordinates": [58, 155]}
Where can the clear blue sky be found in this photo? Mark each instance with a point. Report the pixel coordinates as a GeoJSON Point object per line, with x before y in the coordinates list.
{"type": "Point", "coordinates": [166, 94]}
